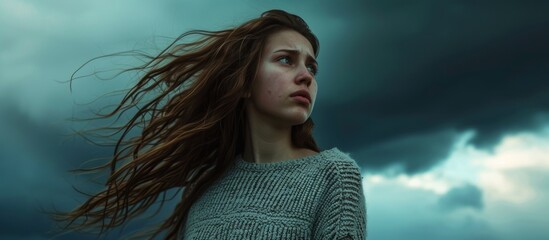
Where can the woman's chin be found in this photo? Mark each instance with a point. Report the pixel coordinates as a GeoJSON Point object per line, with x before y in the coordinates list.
{"type": "Point", "coordinates": [298, 119]}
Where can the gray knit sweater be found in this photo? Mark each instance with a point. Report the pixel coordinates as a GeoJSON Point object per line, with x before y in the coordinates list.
{"type": "Point", "coordinates": [314, 197]}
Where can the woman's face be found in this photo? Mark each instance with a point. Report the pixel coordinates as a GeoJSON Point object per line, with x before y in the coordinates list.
{"type": "Point", "coordinates": [287, 66]}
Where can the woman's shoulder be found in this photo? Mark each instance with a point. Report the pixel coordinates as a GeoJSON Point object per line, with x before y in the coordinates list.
{"type": "Point", "coordinates": [336, 156]}
{"type": "Point", "coordinates": [340, 162]}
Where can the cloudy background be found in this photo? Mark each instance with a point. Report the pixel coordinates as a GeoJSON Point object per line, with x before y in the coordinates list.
{"type": "Point", "coordinates": [444, 104]}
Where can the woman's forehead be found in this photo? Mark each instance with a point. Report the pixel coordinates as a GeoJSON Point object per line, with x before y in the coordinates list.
{"type": "Point", "coordinates": [289, 40]}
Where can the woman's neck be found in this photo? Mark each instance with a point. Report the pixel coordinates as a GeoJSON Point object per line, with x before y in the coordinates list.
{"type": "Point", "coordinates": [266, 145]}
{"type": "Point", "coordinates": [271, 148]}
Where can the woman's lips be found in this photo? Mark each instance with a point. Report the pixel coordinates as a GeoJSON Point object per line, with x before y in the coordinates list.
{"type": "Point", "coordinates": [302, 99]}
{"type": "Point", "coordinates": [302, 96]}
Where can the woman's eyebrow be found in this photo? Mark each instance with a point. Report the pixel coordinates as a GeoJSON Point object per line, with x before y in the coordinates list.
{"type": "Point", "coordinates": [297, 52]}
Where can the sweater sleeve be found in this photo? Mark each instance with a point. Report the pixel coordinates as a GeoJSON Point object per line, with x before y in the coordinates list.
{"type": "Point", "coordinates": [342, 211]}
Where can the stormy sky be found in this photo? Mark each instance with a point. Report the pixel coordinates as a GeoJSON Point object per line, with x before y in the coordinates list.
{"type": "Point", "coordinates": [444, 104]}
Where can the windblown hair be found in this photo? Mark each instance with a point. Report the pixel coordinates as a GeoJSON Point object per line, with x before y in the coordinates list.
{"type": "Point", "coordinates": [192, 129]}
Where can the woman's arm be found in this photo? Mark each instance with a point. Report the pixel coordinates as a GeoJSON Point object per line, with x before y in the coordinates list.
{"type": "Point", "coordinates": [342, 212]}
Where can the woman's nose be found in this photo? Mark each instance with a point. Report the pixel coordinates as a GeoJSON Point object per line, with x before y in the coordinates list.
{"type": "Point", "coordinates": [304, 76]}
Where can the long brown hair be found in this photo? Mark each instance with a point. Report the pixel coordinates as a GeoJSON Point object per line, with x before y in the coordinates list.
{"type": "Point", "coordinates": [191, 130]}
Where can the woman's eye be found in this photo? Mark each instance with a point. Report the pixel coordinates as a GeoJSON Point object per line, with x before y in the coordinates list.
{"type": "Point", "coordinates": [285, 60]}
{"type": "Point", "coordinates": [312, 69]}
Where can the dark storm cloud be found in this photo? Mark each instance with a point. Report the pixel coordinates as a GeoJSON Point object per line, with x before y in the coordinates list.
{"type": "Point", "coordinates": [462, 197]}
{"type": "Point", "coordinates": [46, 139]}
{"type": "Point", "coordinates": [413, 153]}
{"type": "Point", "coordinates": [414, 68]}
{"type": "Point", "coordinates": [34, 159]}
{"type": "Point", "coordinates": [21, 218]}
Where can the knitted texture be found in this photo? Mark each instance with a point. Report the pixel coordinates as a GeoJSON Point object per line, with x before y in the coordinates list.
{"type": "Point", "coordinates": [314, 197]}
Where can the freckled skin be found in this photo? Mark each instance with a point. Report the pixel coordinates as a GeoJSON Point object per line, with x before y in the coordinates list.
{"type": "Point", "coordinates": [270, 97]}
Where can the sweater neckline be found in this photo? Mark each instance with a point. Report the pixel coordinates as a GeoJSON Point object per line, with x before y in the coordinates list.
{"type": "Point", "coordinates": [242, 164]}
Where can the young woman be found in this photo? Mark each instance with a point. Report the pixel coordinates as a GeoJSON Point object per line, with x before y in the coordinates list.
{"type": "Point", "coordinates": [229, 124]}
